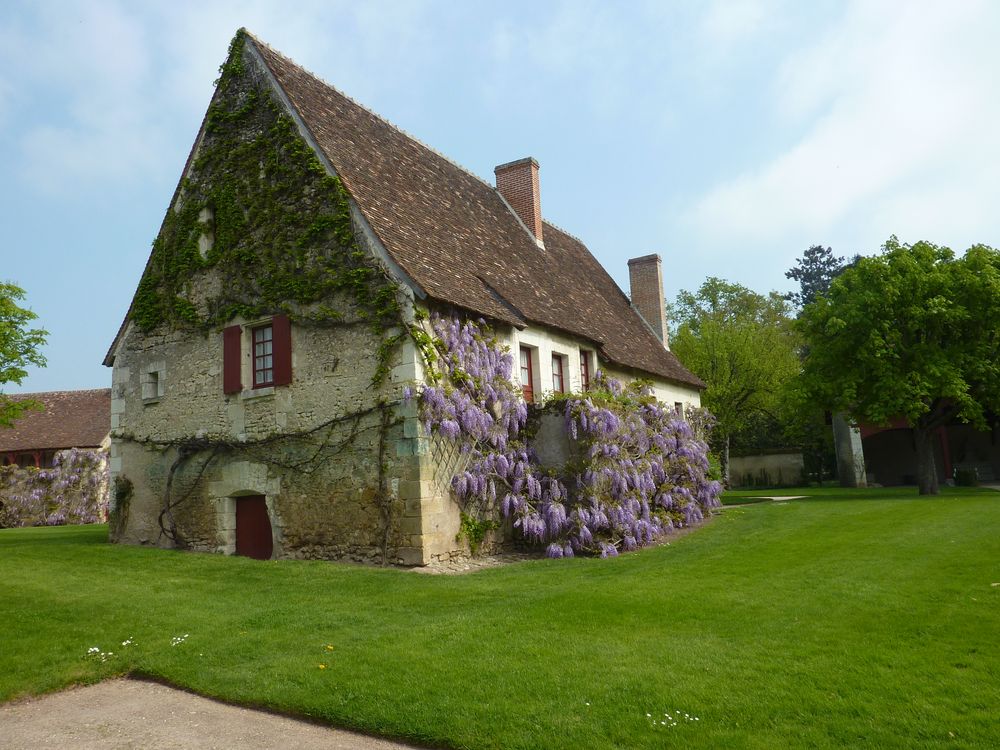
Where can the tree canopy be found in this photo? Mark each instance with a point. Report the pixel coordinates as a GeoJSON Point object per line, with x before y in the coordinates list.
{"type": "Point", "coordinates": [913, 332]}
{"type": "Point", "coordinates": [19, 347]}
{"type": "Point", "coordinates": [816, 269]}
{"type": "Point", "coordinates": [742, 345]}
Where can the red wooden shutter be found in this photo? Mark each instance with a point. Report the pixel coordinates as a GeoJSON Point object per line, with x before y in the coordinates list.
{"type": "Point", "coordinates": [282, 349]}
{"type": "Point", "coordinates": [232, 371]}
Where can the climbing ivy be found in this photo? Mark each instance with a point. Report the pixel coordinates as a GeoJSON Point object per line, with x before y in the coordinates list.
{"type": "Point", "coordinates": [274, 227]}
{"type": "Point", "coordinates": [258, 226]}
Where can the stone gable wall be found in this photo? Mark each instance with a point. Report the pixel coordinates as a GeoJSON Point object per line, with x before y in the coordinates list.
{"type": "Point", "coordinates": [324, 508]}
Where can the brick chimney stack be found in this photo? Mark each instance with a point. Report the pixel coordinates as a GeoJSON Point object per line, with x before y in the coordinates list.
{"type": "Point", "coordinates": [645, 280]}
{"type": "Point", "coordinates": [517, 182]}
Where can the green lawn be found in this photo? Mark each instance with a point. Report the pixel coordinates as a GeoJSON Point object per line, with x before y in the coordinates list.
{"type": "Point", "coordinates": [862, 619]}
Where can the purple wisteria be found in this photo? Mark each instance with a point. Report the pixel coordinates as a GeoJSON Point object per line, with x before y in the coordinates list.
{"type": "Point", "coordinates": [637, 469]}
{"type": "Point", "coordinates": [73, 491]}
{"type": "Point", "coordinates": [641, 469]}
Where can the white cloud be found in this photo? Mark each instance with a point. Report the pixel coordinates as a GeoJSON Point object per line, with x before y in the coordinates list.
{"type": "Point", "coordinates": [896, 106]}
{"type": "Point", "coordinates": [119, 80]}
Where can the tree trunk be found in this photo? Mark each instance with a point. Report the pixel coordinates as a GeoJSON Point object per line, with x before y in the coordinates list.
{"type": "Point", "coordinates": [927, 478]}
{"type": "Point", "coordinates": [724, 460]}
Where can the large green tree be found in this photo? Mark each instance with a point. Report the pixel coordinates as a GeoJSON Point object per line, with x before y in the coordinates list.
{"type": "Point", "coordinates": [19, 347]}
{"type": "Point", "coordinates": [913, 332]}
{"type": "Point", "coordinates": [742, 345]}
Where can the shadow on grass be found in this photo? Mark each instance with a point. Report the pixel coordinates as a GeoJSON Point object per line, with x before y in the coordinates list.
{"type": "Point", "coordinates": [852, 494]}
{"type": "Point", "coordinates": [55, 535]}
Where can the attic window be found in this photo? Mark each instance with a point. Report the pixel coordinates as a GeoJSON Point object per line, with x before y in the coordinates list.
{"type": "Point", "coordinates": [206, 217]}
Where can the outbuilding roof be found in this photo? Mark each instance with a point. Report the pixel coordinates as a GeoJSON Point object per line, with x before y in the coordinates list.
{"type": "Point", "coordinates": [71, 419]}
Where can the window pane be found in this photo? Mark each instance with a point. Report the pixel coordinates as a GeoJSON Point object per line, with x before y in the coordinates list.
{"type": "Point", "coordinates": [263, 361]}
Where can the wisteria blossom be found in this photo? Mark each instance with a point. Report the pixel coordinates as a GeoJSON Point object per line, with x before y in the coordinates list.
{"type": "Point", "coordinates": [73, 491]}
{"type": "Point", "coordinates": [639, 470]}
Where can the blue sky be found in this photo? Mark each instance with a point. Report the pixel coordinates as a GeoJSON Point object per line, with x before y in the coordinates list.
{"type": "Point", "coordinates": [726, 136]}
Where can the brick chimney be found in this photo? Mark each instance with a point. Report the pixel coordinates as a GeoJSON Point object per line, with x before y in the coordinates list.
{"type": "Point", "coordinates": [517, 182]}
{"type": "Point", "coordinates": [645, 280]}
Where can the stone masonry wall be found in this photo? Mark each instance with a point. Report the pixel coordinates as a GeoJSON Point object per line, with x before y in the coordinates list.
{"type": "Point", "coordinates": [325, 507]}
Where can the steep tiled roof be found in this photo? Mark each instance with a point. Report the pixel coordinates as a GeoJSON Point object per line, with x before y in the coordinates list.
{"type": "Point", "coordinates": [458, 240]}
{"type": "Point", "coordinates": [72, 419]}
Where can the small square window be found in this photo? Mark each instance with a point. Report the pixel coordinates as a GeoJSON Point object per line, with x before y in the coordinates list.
{"type": "Point", "coordinates": [152, 383]}
{"type": "Point", "coordinates": [263, 356]}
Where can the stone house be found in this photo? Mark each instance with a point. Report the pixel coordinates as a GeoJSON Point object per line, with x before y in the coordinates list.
{"type": "Point", "coordinates": [258, 376]}
{"type": "Point", "coordinates": [68, 419]}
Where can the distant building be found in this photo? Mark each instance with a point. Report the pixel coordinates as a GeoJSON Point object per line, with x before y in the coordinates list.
{"type": "Point", "coordinates": [890, 453]}
{"type": "Point", "coordinates": [71, 419]}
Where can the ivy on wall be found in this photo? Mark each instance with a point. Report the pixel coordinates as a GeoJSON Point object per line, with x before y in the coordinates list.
{"type": "Point", "coordinates": [258, 226]}
{"type": "Point", "coordinates": [258, 208]}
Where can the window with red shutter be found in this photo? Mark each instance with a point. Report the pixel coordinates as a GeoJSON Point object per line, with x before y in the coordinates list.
{"type": "Point", "coordinates": [270, 355]}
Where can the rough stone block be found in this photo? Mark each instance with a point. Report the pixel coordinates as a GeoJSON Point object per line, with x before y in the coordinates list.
{"type": "Point", "coordinates": [411, 556]}
{"type": "Point", "coordinates": [412, 428]}
{"type": "Point", "coordinates": [410, 524]}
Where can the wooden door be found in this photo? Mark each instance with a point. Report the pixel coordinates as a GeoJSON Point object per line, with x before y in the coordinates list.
{"type": "Point", "coordinates": [253, 528]}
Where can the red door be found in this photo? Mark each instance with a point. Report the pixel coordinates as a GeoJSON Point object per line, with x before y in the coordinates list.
{"type": "Point", "coordinates": [253, 528]}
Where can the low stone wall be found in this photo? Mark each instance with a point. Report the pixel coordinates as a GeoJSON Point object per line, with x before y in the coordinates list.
{"type": "Point", "coordinates": [73, 491]}
{"type": "Point", "coordinates": [784, 468]}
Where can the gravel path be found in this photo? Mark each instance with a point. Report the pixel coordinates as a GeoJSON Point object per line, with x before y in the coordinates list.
{"type": "Point", "coordinates": [137, 714]}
